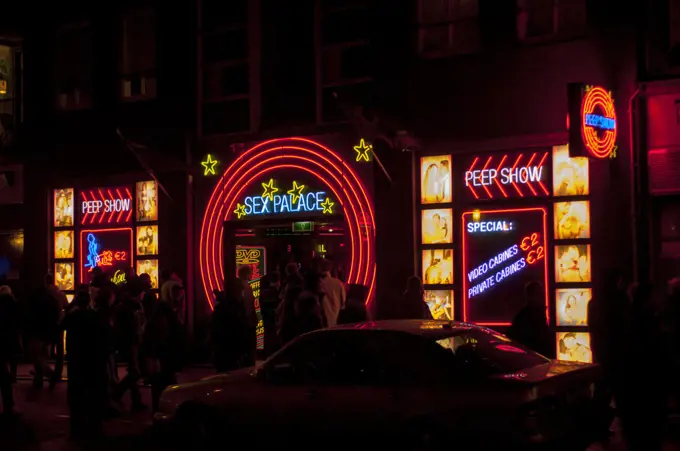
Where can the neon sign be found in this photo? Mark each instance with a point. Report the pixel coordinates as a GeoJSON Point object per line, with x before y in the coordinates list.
{"type": "Point", "coordinates": [509, 259]}
{"type": "Point", "coordinates": [508, 175]}
{"type": "Point", "coordinates": [363, 150]}
{"type": "Point", "coordinates": [593, 115]}
{"type": "Point", "coordinates": [209, 165]}
{"type": "Point", "coordinates": [477, 226]}
{"type": "Point", "coordinates": [256, 258]}
{"type": "Point", "coordinates": [106, 206]}
{"type": "Point", "coordinates": [118, 277]}
{"type": "Point", "coordinates": [108, 249]}
{"type": "Point", "coordinates": [294, 201]}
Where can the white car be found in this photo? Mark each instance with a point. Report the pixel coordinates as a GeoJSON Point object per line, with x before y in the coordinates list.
{"type": "Point", "coordinates": [418, 383]}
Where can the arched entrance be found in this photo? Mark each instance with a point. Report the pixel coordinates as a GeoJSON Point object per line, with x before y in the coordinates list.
{"type": "Point", "coordinates": [296, 154]}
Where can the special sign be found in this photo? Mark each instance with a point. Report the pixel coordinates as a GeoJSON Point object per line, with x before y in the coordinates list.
{"type": "Point", "coordinates": [503, 250]}
{"type": "Point", "coordinates": [106, 206]}
{"type": "Point", "coordinates": [519, 174]}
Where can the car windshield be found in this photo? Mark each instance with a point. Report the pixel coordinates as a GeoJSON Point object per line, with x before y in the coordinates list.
{"type": "Point", "coordinates": [495, 353]}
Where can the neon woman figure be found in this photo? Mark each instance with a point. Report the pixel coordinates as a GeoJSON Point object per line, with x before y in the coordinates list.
{"type": "Point", "coordinates": [93, 254]}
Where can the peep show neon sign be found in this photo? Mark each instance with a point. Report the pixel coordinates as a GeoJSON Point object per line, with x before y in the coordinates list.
{"type": "Point", "coordinates": [274, 201]}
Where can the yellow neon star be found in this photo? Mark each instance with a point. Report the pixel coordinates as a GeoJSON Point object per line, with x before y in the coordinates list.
{"type": "Point", "coordinates": [269, 190]}
{"type": "Point", "coordinates": [362, 150]}
{"type": "Point", "coordinates": [209, 165]}
{"type": "Point", "coordinates": [296, 192]}
{"type": "Point", "coordinates": [240, 210]}
{"type": "Point", "coordinates": [327, 206]}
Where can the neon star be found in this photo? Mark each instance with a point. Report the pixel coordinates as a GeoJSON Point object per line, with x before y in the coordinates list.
{"type": "Point", "coordinates": [327, 206]}
{"type": "Point", "coordinates": [209, 165]}
{"type": "Point", "coordinates": [362, 150]}
{"type": "Point", "coordinates": [240, 210]}
{"type": "Point", "coordinates": [296, 192]}
{"type": "Point", "coordinates": [269, 190]}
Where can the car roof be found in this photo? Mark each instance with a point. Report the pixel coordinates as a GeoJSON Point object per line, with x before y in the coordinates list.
{"type": "Point", "coordinates": [428, 329]}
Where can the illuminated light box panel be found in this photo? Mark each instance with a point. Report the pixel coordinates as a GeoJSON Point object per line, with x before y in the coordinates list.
{"type": "Point", "coordinates": [437, 226]}
{"type": "Point", "coordinates": [63, 211]}
{"type": "Point", "coordinates": [437, 265]}
{"type": "Point", "coordinates": [574, 347]}
{"type": "Point", "coordinates": [571, 220]}
{"type": "Point", "coordinates": [149, 266]}
{"type": "Point", "coordinates": [502, 251]}
{"type": "Point", "coordinates": [440, 303]}
{"type": "Point", "coordinates": [147, 240]}
{"type": "Point", "coordinates": [109, 249]}
{"type": "Point", "coordinates": [508, 175]}
{"type": "Point", "coordinates": [571, 306]}
{"type": "Point", "coordinates": [64, 243]}
{"type": "Point", "coordinates": [573, 263]}
{"type": "Point", "coordinates": [571, 175]}
{"type": "Point", "coordinates": [436, 184]}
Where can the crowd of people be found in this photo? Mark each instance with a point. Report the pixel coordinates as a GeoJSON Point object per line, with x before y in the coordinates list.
{"type": "Point", "coordinates": [297, 303]}
{"type": "Point", "coordinates": [103, 325]}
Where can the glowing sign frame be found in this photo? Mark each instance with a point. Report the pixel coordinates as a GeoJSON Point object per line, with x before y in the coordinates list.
{"type": "Point", "coordinates": [540, 190]}
{"type": "Point", "coordinates": [289, 153]}
{"type": "Point", "coordinates": [594, 97]}
{"type": "Point", "coordinates": [466, 268]}
{"type": "Point", "coordinates": [103, 196]}
{"type": "Point", "coordinates": [83, 250]}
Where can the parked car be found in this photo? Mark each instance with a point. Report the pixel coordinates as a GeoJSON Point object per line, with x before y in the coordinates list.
{"type": "Point", "coordinates": [417, 383]}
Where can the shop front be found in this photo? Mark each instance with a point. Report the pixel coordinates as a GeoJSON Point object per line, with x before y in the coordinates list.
{"type": "Point", "coordinates": [289, 201]}
{"type": "Point", "coordinates": [508, 218]}
{"type": "Point", "coordinates": [112, 228]}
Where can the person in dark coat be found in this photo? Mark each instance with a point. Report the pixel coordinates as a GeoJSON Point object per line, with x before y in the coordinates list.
{"type": "Point", "coordinates": [355, 306]}
{"type": "Point", "coordinates": [87, 347]}
{"type": "Point", "coordinates": [9, 343]}
{"type": "Point", "coordinates": [530, 325]}
{"type": "Point", "coordinates": [227, 327]}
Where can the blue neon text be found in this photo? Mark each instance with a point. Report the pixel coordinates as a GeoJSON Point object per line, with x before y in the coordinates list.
{"type": "Point", "coordinates": [283, 203]}
{"type": "Point", "coordinates": [493, 262]}
{"type": "Point", "coordinates": [601, 122]}
{"type": "Point", "coordinates": [497, 278]}
{"type": "Point", "coordinates": [489, 226]}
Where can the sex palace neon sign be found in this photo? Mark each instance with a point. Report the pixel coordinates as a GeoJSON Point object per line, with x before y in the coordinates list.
{"type": "Point", "coordinates": [592, 122]}
{"type": "Point", "coordinates": [274, 201]}
{"type": "Point", "coordinates": [508, 175]}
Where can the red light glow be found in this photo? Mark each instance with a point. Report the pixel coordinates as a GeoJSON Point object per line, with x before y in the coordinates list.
{"type": "Point", "coordinates": [600, 144]}
{"type": "Point", "coordinates": [289, 153]}
{"type": "Point", "coordinates": [107, 257]}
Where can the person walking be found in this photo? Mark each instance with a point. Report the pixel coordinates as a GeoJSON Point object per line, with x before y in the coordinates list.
{"type": "Point", "coordinates": [9, 342]}
{"type": "Point", "coordinates": [245, 274]}
{"type": "Point", "coordinates": [334, 290]}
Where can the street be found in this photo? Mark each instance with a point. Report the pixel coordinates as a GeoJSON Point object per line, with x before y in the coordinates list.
{"type": "Point", "coordinates": [44, 417]}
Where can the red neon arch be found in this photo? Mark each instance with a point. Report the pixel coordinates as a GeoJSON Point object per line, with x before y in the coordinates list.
{"type": "Point", "coordinates": [289, 153]}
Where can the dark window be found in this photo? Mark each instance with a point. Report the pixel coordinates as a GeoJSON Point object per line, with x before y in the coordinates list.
{"type": "Point", "coordinates": [73, 66]}
{"type": "Point", "coordinates": [10, 82]}
{"type": "Point", "coordinates": [138, 55]}
{"type": "Point", "coordinates": [545, 18]}
{"type": "Point", "coordinates": [222, 81]}
{"type": "Point", "coordinates": [225, 46]}
{"type": "Point", "coordinates": [288, 63]}
{"type": "Point", "coordinates": [448, 27]}
{"type": "Point", "coordinates": [221, 13]}
{"type": "Point", "coordinates": [226, 117]}
{"type": "Point", "coordinates": [347, 26]}
{"type": "Point", "coordinates": [350, 94]}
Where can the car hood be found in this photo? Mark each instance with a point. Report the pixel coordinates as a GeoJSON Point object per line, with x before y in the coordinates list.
{"type": "Point", "coordinates": [554, 369]}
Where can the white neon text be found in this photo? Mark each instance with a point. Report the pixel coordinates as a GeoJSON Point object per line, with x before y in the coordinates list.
{"type": "Point", "coordinates": [95, 206]}
{"type": "Point", "coordinates": [489, 226]}
{"type": "Point", "coordinates": [493, 262]}
{"type": "Point", "coordinates": [496, 278]}
{"type": "Point", "coordinates": [258, 205]}
{"type": "Point", "coordinates": [506, 176]}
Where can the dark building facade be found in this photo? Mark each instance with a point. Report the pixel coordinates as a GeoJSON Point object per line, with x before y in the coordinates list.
{"type": "Point", "coordinates": [125, 95]}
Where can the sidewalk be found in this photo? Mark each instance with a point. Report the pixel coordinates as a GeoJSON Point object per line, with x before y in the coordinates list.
{"type": "Point", "coordinates": [188, 374]}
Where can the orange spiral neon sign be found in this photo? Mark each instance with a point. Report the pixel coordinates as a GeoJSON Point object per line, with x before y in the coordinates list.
{"type": "Point", "coordinates": [598, 122]}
